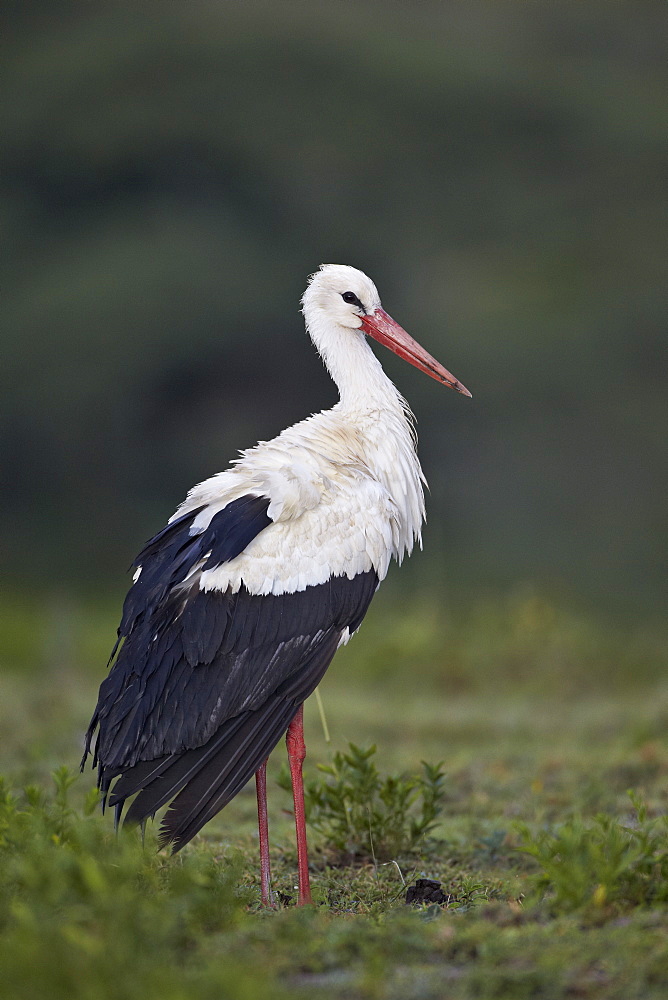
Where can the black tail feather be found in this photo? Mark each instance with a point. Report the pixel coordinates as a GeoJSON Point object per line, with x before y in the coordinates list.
{"type": "Point", "coordinates": [201, 780]}
{"type": "Point", "coordinates": [242, 751]}
{"type": "Point", "coordinates": [118, 812]}
{"type": "Point", "coordinates": [174, 774]}
{"type": "Point", "coordinates": [226, 773]}
{"type": "Point", "coordinates": [140, 776]}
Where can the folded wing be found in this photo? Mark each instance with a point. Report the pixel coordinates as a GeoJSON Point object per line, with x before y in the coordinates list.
{"type": "Point", "coordinates": [205, 682]}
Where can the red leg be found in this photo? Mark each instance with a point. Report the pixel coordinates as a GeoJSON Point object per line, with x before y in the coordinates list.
{"type": "Point", "coordinates": [263, 828]}
{"type": "Point", "coordinates": [296, 754]}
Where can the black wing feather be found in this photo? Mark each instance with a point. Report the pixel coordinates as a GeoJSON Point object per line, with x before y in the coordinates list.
{"type": "Point", "coordinates": [204, 684]}
{"type": "Point", "coordinates": [239, 757]}
{"type": "Point", "coordinates": [170, 555]}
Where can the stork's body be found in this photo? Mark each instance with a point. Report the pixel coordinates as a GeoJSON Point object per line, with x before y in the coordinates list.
{"type": "Point", "coordinates": [240, 603]}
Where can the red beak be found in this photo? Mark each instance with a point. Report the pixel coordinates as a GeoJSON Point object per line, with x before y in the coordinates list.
{"type": "Point", "coordinates": [383, 328]}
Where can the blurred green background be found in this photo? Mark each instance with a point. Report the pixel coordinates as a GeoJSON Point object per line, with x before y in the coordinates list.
{"type": "Point", "coordinates": [173, 172]}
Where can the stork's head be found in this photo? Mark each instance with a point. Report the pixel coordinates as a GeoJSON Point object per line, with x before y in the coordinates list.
{"type": "Point", "coordinates": [339, 296]}
{"type": "Point", "coordinates": [344, 294]}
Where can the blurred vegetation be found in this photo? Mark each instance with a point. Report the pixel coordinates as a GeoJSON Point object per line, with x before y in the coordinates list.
{"type": "Point", "coordinates": [604, 865]}
{"type": "Point", "coordinates": [172, 172]}
{"type": "Point", "coordinates": [85, 914]}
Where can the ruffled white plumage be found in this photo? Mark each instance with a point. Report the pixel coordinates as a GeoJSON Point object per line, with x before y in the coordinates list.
{"type": "Point", "coordinates": [344, 498]}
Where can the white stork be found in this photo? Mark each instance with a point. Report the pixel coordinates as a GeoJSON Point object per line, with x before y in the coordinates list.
{"type": "Point", "coordinates": [239, 604]}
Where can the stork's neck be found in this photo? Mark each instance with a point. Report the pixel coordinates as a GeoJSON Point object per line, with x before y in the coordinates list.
{"type": "Point", "coordinates": [373, 405]}
{"type": "Point", "coordinates": [357, 372]}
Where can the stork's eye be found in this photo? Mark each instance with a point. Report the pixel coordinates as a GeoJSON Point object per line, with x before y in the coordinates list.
{"type": "Point", "coordinates": [352, 299]}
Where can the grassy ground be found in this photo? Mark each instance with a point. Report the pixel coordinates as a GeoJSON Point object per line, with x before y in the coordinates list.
{"type": "Point", "coordinates": [544, 720]}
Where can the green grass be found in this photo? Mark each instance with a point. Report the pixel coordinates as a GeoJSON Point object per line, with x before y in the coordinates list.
{"type": "Point", "coordinates": [555, 879]}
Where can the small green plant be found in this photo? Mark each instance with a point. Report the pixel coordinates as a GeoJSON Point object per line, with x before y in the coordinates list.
{"type": "Point", "coordinates": [366, 817]}
{"type": "Point", "coordinates": [605, 864]}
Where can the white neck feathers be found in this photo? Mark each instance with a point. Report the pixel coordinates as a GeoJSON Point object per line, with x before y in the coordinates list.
{"type": "Point", "coordinates": [357, 372]}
